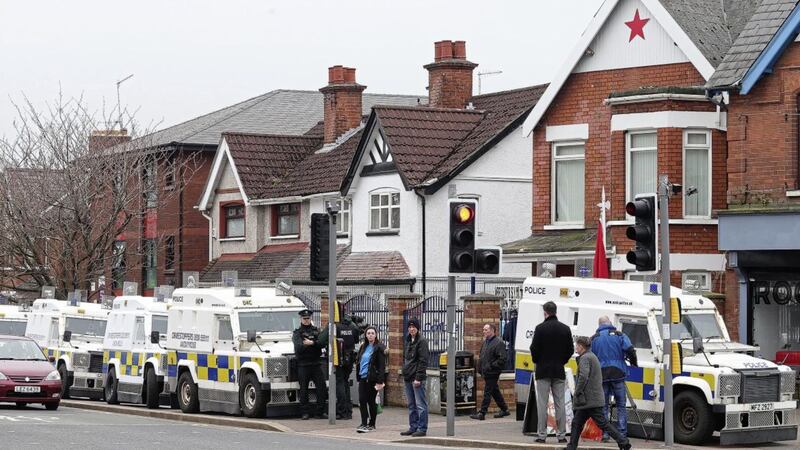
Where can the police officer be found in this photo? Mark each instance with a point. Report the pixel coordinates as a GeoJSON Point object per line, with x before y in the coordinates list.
{"type": "Point", "coordinates": [612, 348]}
{"type": "Point", "coordinates": [308, 351]}
{"type": "Point", "coordinates": [347, 334]}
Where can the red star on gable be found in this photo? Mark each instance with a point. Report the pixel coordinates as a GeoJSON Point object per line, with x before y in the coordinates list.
{"type": "Point", "coordinates": [637, 26]}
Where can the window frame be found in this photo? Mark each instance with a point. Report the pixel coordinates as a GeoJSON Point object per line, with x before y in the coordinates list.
{"type": "Point", "coordinates": [276, 219]}
{"type": "Point", "coordinates": [390, 206]}
{"type": "Point", "coordinates": [710, 184]}
{"type": "Point", "coordinates": [628, 150]}
{"type": "Point", "coordinates": [149, 263]}
{"type": "Point", "coordinates": [554, 191]}
{"type": "Point", "coordinates": [150, 184]}
{"type": "Point", "coordinates": [223, 223]}
{"type": "Point", "coordinates": [343, 224]}
{"type": "Point", "coordinates": [169, 254]}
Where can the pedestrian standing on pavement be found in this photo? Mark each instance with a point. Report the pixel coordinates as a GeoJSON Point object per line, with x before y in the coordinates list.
{"type": "Point", "coordinates": [588, 400]}
{"type": "Point", "coordinates": [490, 365]}
{"type": "Point", "coordinates": [612, 348]}
{"type": "Point", "coordinates": [371, 375]}
{"type": "Point", "coordinates": [551, 349]}
{"type": "Point", "coordinates": [415, 365]}
{"type": "Point", "coordinates": [308, 351]}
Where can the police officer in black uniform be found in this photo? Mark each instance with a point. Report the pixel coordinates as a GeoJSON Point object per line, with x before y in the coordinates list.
{"type": "Point", "coordinates": [308, 351]}
{"type": "Point", "coordinates": [347, 334]}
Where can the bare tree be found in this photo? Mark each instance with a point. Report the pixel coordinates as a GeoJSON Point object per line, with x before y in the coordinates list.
{"type": "Point", "coordinates": [70, 189]}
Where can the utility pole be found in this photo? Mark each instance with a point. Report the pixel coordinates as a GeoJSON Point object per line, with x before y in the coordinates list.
{"type": "Point", "coordinates": [333, 210]}
{"type": "Point", "coordinates": [666, 323]}
{"type": "Point", "coordinates": [451, 343]}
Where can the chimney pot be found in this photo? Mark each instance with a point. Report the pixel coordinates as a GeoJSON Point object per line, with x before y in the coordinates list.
{"type": "Point", "coordinates": [450, 75]}
{"type": "Point", "coordinates": [459, 50]}
{"type": "Point", "coordinates": [349, 75]}
{"type": "Point", "coordinates": [335, 75]}
{"type": "Point", "coordinates": [447, 50]}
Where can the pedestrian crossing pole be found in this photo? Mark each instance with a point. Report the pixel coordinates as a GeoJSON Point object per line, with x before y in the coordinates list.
{"type": "Point", "coordinates": [333, 210]}
{"type": "Point", "coordinates": [451, 355]}
{"type": "Point", "coordinates": [664, 189]}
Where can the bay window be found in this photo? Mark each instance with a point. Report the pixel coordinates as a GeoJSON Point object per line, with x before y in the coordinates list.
{"type": "Point", "coordinates": [568, 183]}
{"type": "Point", "coordinates": [642, 163]}
{"type": "Point", "coordinates": [233, 217]}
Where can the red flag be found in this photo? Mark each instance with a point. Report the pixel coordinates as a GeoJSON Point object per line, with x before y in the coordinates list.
{"type": "Point", "coordinates": [600, 269]}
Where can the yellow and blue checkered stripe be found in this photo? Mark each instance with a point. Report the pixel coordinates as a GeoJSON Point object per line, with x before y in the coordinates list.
{"type": "Point", "coordinates": [56, 353]}
{"type": "Point", "coordinates": [210, 367]}
{"type": "Point", "coordinates": [130, 363]}
{"type": "Point", "coordinates": [640, 380]}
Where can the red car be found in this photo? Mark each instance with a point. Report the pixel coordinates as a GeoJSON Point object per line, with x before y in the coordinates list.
{"type": "Point", "coordinates": [26, 374]}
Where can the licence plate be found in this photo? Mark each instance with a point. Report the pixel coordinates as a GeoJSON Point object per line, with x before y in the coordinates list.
{"type": "Point", "coordinates": [27, 389]}
{"type": "Point", "coordinates": [761, 407]}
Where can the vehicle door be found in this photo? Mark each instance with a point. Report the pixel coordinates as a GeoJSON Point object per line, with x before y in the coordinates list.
{"type": "Point", "coordinates": [221, 364]}
{"type": "Point", "coordinates": [643, 382]}
{"type": "Point", "coordinates": [138, 342]}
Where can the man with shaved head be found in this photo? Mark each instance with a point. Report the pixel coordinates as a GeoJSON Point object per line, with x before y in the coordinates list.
{"type": "Point", "coordinates": [612, 348]}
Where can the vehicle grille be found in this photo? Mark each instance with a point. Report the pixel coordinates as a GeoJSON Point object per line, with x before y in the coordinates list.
{"type": "Point", "coordinates": [22, 379]}
{"type": "Point", "coordinates": [95, 362]}
{"type": "Point", "coordinates": [277, 367]}
{"type": "Point", "coordinates": [760, 387]}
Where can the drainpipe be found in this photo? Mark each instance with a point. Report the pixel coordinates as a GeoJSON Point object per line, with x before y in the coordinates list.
{"type": "Point", "coordinates": [210, 233]}
{"type": "Point", "coordinates": [424, 273]}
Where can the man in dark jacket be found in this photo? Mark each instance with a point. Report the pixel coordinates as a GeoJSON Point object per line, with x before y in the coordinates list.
{"type": "Point", "coordinates": [612, 348]}
{"type": "Point", "coordinates": [491, 363]}
{"type": "Point", "coordinates": [551, 349]}
{"type": "Point", "coordinates": [347, 334]}
{"type": "Point", "coordinates": [415, 365]}
{"type": "Point", "coordinates": [308, 351]}
{"type": "Point", "coordinates": [588, 400]}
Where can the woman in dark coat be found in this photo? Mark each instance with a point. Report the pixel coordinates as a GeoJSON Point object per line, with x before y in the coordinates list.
{"type": "Point", "coordinates": [371, 376]}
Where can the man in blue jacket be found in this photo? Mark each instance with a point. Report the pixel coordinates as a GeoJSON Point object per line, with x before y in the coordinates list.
{"type": "Point", "coordinates": [612, 348]}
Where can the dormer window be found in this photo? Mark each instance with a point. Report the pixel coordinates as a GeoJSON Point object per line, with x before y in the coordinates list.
{"type": "Point", "coordinates": [384, 211]}
{"type": "Point", "coordinates": [233, 221]}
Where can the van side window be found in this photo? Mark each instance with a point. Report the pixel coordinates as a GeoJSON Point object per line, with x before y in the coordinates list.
{"type": "Point", "coordinates": [224, 330]}
{"type": "Point", "coordinates": [138, 330]}
{"type": "Point", "coordinates": [53, 333]}
{"type": "Point", "coordinates": [637, 333]}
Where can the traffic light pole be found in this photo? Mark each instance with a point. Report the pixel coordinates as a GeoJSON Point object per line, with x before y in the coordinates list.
{"type": "Point", "coordinates": [451, 355]}
{"type": "Point", "coordinates": [663, 208]}
{"type": "Point", "coordinates": [332, 211]}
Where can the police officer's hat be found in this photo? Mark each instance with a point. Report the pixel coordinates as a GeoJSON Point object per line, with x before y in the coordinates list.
{"type": "Point", "coordinates": [305, 313]}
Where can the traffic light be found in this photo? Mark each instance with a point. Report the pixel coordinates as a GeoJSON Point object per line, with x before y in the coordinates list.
{"type": "Point", "coordinates": [462, 237]}
{"type": "Point", "coordinates": [320, 246]}
{"type": "Point", "coordinates": [487, 260]}
{"type": "Point", "coordinates": [644, 208]}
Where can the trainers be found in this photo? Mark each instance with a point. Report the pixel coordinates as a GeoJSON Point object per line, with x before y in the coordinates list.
{"type": "Point", "coordinates": [562, 440]}
{"type": "Point", "coordinates": [502, 413]}
{"type": "Point", "coordinates": [419, 433]}
{"type": "Point", "coordinates": [605, 439]}
{"type": "Point", "coordinates": [477, 416]}
{"type": "Point", "coordinates": [407, 432]}
{"type": "Point", "coordinates": [370, 428]}
{"type": "Point", "coordinates": [361, 429]}
{"type": "Point", "coordinates": [305, 417]}
{"type": "Point", "coordinates": [540, 440]}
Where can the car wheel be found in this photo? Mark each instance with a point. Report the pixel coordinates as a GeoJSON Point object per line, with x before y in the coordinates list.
{"type": "Point", "coordinates": [51, 406]}
{"type": "Point", "coordinates": [693, 419]}
{"type": "Point", "coordinates": [252, 398]}
{"type": "Point", "coordinates": [151, 389]}
{"type": "Point", "coordinates": [65, 381]}
{"type": "Point", "coordinates": [187, 394]}
{"type": "Point", "coordinates": [21, 404]}
{"type": "Point", "coordinates": [110, 389]}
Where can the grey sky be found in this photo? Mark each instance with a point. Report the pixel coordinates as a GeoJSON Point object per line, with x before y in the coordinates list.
{"type": "Point", "coordinates": [192, 57]}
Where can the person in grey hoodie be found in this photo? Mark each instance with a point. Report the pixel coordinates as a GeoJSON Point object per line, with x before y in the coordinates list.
{"type": "Point", "coordinates": [589, 399]}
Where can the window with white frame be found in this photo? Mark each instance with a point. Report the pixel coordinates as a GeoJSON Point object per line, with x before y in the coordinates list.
{"type": "Point", "coordinates": [697, 173]}
{"type": "Point", "coordinates": [568, 182]}
{"type": "Point", "coordinates": [384, 211]}
{"type": "Point", "coordinates": [641, 153]}
{"type": "Point", "coordinates": [696, 281]}
{"type": "Point", "coordinates": [343, 221]}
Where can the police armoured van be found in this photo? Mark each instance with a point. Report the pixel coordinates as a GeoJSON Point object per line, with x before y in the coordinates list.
{"type": "Point", "coordinates": [719, 386]}
{"type": "Point", "coordinates": [13, 319]}
{"type": "Point", "coordinates": [134, 359]}
{"type": "Point", "coordinates": [73, 335]}
{"type": "Point", "coordinates": [232, 353]}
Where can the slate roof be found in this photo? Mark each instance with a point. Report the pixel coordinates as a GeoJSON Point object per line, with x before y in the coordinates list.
{"type": "Point", "coordinates": [290, 112]}
{"type": "Point", "coordinates": [757, 33]}
{"type": "Point", "coordinates": [712, 25]}
{"type": "Point", "coordinates": [291, 261]}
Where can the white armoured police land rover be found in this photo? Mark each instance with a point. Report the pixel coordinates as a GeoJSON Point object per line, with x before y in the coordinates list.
{"type": "Point", "coordinates": [232, 353]}
{"type": "Point", "coordinates": [134, 361]}
{"type": "Point", "coordinates": [13, 319]}
{"type": "Point", "coordinates": [73, 335]}
{"type": "Point", "coordinates": [720, 388]}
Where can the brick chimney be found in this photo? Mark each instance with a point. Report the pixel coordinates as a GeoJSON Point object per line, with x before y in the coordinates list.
{"type": "Point", "coordinates": [342, 102]}
{"type": "Point", "coordinates": [450, 75]}
{"type": "Point", "coordinates": [103, 139]}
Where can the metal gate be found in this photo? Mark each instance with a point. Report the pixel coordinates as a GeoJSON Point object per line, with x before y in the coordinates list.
{"type": "Point", "coordinates": [373, 310]}
{"type": "Point", "coordinates": [432, 315]}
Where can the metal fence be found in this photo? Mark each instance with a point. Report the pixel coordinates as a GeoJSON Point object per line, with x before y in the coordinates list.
{"type": "Point", "coordinates": [432, 315]}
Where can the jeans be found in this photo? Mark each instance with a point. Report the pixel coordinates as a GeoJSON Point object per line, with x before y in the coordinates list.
{"type": "Point", "coordinates": [544, 388]}
{"type": "Point", "coordinates": [366, 402]}
{"type": "Point", "coordinates": [417, 407]}
{"type": "Point", "coordinates": [617, 389]}
{"type": "Point", "coordinates": [492, 390]}
{"type": "Point", "coordinates": [596, 414]}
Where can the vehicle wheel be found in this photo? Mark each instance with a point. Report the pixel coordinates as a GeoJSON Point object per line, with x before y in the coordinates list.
{"type": "Point", "coordinates": [187, 394]}
{"type": "Point", "coordinates": [151, 389]}
{"type": "Point", "coordinates": [21, 404]}
{"type": "Point", "coordinates": [252, 399]}
{"type": "Point", "coordinates": [51, 406]}
{"type": "Point", "coordinates": [694, 422]}
{"type": "Point", "coordinates": [65, 381]}
{"type": "Point", "coordinates": [110, 389]}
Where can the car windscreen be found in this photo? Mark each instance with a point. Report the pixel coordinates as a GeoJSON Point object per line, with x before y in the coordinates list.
{"type": "Point", "coordinates": [160, 324]}
{"type": "Point", "coordinates": [86, 327]}
{"type": "Point", "coordinates": [13, 327]}
{"type": "Point", "coordinates": [702, 325]}
{"type": "Point", "coordinates": [21, 349]}
{"type": "Point", "coordinates": [268, 321]}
